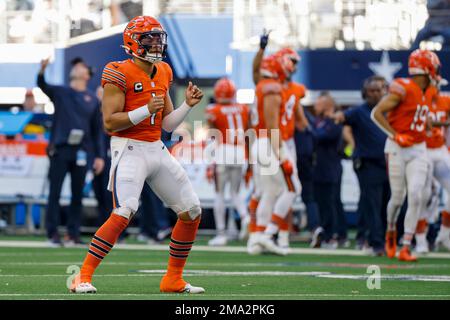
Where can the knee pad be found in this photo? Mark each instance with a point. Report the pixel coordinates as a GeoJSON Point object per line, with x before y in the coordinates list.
{"type": "Point", "coordinates": [128, 208]}
{"type": "Point", "coordinates": [195, 212]}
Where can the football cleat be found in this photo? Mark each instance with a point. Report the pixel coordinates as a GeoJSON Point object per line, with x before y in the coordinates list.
{"type": "Point", "coordinates": [267, 243]}
{"type": "Point", "coordinates": [253, 248]}
{"type": "Point", "coordinates": [405, 255]}
{"type": "Point", "coordinates": [316, 239]}
{"type": "Point", "coordinates": [178, 285]}
{"type": "Point", "coordinates": [84, 287]}
{"type": "Point", "coordinates": [283, 239]}
{"type": "Point", "coordinates": [443, 242]}
{"type": "Point", "coordinates": [219, 240]}
{"type": "Point", "coordinates": [391, 244]}
{"type": "Point", "coordinates": [421, 244]}
{"type": "Point", "coordinates": [193, 290]}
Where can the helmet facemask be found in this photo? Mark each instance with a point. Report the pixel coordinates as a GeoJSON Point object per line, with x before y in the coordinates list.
{"type": "Point", "coordinates": [153, 45]}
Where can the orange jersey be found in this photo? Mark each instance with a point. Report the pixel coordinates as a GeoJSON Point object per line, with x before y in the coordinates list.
{"type": "Point", "coordinates": [231, 120]}
{"type": "Point", "coordinates": [139, 87]}
{"type": "Point", "coordinates": [410, 116]}
{"type": "Point", "coordinates": [265, 87]}
{"type": "Point", "coordinates": [294, 92]}
{"type": "Point", "coordinates": [438, 113]}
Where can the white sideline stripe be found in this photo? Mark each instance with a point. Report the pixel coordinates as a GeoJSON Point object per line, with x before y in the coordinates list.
{"type": "Point", "coordinates": [228, 295]}
{"type": "Point", "coordinates": [163, 247]}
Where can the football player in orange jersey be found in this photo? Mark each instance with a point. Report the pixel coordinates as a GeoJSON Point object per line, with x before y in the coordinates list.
{"type": "Point", "coordinates": [136, 105]}
{"type": "Point", "coordinates": [273, 162]}
{"type": "Point", "coordinates": [293, 116]}
{"type": "Point", "coordinates": [407, 104]}
{"type": "Point", "coordinates": [440, 171]}
{"type": "Point", "coordinates": [231, 120]}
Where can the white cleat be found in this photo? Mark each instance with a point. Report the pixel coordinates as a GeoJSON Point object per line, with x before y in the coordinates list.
{"type": "Point", "coordinates": [283, 239]}
{"type": "Point", "coordinates": [421, 243]}
{"type": "Point", "coordinates": [217, 241]}
{"type": "Point", "coordinates": [422, 249]}
{"type": "Point", "coordinates": [253, 248]}
{"type": "Point", "coordinates": [443, 242]}
{"type": "Point", "coordinates": [84, 287]}
{"type": "Point", "coordinates": [193, 290]}
{"type": "Point", "coordinates": [267, 243]}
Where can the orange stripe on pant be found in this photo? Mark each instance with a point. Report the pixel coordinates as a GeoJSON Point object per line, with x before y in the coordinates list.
{"type": "Point", "coordinates": [289, 182]}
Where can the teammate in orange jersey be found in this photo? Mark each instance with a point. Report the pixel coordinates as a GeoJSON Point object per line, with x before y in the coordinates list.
{"type": "Point", "coordinates": [439, 171]}
{"type": "Point", "coordinates": [408, 103]}
{"type": "Point", "coordinates": [273, 162]}
{"type": "Point", "coordinates": [136, 105]}
{"type": "Point", "coordinates": [231, 120]}
{"type": "Point", "coordinates": [292, 116]}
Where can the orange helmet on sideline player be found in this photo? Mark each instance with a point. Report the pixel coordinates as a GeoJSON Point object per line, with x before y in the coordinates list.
{"type": "Point", "coordinates": [224, 90]}
{"type": "Point", "coordinates": [289, 59]}
{"type": "Point", "coordinates": [423, 62]}
{"type": "Point", "coordinates": [145, 38]}
{"type": "Point", "coordinates": [271, 67]}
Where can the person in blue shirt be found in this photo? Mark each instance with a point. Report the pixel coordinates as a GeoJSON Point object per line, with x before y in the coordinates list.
{"type": "Point", "coordinates": [328, 168]}
{"type": "Point", "coordinates": [369, 163]}
{"type": "Point", "coordinates": [75, 146]}
{"type": "Point", "coordinates": [304, 141]}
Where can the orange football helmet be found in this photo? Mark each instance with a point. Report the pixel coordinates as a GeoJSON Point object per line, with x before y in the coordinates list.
{"type": "Point", "coordinates": [224, 90]}
{"type": "Point", "coordinates": [145, 38]}
{"type": "Point", "coordinates": [424, 62]}
{"type": "Point", "coordinates": [289, 59]}
{"type": "Point", "coordinates": [271, 67]}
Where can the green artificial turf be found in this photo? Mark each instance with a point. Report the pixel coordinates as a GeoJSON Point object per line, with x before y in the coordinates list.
{"type": "Point", "coordinates": [41, 273]}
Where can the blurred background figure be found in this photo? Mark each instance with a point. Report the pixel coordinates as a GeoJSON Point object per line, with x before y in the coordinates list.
{"type": "Point", "coordinates": [75, 146]}
{"type": "Point", "coordinates": [230, 121]}
{"type": "Point", "coordinates": [328, 168]}
{"type": "Point", "coordinates": [100, 180]}
{"type": "Point", "coordinates": [370, 166]}
{"type": "Point", "coordinates": [306, 160]}
{"type": "Point", "coordinates": [437, 24]}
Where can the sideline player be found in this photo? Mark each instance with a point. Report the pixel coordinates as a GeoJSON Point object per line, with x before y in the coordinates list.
{"type": "Point", "coordinates": [439, 158]}
{"type": "Point", "coordinates": [274, 162]}
{"type": "Point", "coordinates": [232, 121]}
{"type": "Point", "coordinates": [408, 103]}
{"type": "Point", "coordinates": [136, 105]}
{"type": "Point", "coordinates": [293, 115]}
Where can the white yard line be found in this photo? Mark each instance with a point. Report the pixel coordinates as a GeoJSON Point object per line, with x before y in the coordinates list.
{"type": "Point", "coordinates": [163, 247]}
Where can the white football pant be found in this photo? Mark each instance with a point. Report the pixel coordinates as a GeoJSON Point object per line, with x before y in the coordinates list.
{"type": "Point", "coordinates": [408, 174]}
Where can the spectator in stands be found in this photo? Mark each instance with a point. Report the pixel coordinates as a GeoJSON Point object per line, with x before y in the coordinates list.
{"type": "Point", "coordinates": [75, 145]}
{"type": "Point", "coordinates": [438, 23]}
{"type": "Point", "coordinates": [369, 164]}
{"type": "Point", "coordinates": [328, 169]}
{"type": "Point", "coordinates": [306, 159]}
{"type": "Point", "coordinates": [34, 126]}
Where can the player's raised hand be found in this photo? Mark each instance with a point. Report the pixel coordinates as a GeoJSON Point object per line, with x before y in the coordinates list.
{"type": "Point", "coordinates": [156, 104]}
{"type": "Point", "coordinates": [193, 94]}
{"type": "Point", "coordinates": [44, 64]}
{"type": "Point", "coordinates": [264, 39]}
